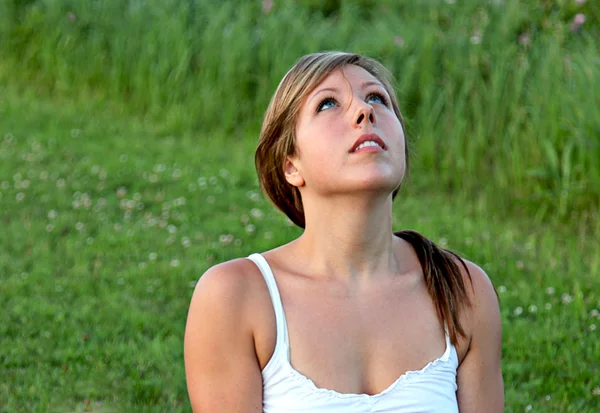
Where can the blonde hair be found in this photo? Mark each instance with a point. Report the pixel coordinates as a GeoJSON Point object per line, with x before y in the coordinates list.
{"type": "Point", "coordinates": [442, 269]}
{"type": "Point", "coordinates": [277, 140]}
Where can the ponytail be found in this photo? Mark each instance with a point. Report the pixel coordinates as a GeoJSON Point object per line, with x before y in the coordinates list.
{"type": "Point", "coordinates": [444, 281]}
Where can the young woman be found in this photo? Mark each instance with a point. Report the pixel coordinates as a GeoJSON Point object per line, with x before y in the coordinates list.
{"type": "Point", "coordinates": [350, 317]}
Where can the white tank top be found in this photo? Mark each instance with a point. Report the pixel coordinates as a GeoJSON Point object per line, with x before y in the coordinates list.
{"type": "Point", "coordinates": [285, 390]}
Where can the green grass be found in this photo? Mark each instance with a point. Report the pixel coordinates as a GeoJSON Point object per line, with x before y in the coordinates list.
{"type": "Point", "coordinates": [108, 223]}
{"type": "Point", "coordinates": [126, 169]}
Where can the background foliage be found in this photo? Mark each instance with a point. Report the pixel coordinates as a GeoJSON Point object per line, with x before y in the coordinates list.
{"type": "Point", "coordinates": [501, 92]}
{"type": "Point", "coordinates": [126, 138]}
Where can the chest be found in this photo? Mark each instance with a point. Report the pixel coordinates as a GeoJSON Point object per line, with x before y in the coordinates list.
{"type": "Point", "coordinates": [360, 342]}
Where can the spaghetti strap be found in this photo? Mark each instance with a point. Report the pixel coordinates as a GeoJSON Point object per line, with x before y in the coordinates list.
{"type": "Point", "coordinates": [267, 273]}
{"type": "Point", "coordinates": [446, 354]}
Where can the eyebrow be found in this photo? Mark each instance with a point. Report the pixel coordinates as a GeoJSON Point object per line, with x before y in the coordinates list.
{"type": "Point", "coordinates": [371, 83]}
{"type": "Point", "coordinates": [327, 89]}
{"type": "Point", "coordinates": [336, 90]}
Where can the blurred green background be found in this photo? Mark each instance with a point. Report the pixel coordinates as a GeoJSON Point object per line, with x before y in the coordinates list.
{"type": "Point", "coordinates": [127, 131]}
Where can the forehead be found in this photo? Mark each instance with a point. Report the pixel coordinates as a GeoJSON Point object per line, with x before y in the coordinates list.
{"type": "Point", "coordinates": [350, 75]}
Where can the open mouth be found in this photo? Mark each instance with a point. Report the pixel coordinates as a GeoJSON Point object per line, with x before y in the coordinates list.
{"type": "Point", "coordinates": [367, 144]}
{"type": "Point", "coordinates": [370, 142]}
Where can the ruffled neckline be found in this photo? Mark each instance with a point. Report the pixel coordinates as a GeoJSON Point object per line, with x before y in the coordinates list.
{"type": "Point", "coordinates": [449, 355]}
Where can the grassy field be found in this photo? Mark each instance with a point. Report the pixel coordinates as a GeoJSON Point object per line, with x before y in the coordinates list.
{"type": "Point", "coordinates": [126, 170]}
{"type": "Point", "coordinates": [108, 223]}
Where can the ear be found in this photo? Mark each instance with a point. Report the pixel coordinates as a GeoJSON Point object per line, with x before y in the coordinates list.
{"type": "Point", "coordinates": [292, 174]}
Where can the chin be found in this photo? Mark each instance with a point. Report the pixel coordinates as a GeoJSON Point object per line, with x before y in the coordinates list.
{"type": "Point", "coordinates": [376, 186]}
{"type": "Point", "coordinates": [386, 180]}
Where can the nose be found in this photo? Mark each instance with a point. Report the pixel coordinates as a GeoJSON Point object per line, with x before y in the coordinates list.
{"type": "Point", "coordinates": [364, 115]}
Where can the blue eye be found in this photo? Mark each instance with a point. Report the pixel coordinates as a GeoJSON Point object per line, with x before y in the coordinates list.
{"type": "Point", "coordinates": [326, 103]}
{"type": "Point", "coordinates": [377, 98]}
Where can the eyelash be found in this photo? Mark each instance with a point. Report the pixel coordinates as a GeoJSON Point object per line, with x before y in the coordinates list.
{"type": "Point", "coordinates": [380, 96]}
{"type": "Point", "coordinates": [331, 99]}
{"type": "Point", "coordinates": [325, 100]}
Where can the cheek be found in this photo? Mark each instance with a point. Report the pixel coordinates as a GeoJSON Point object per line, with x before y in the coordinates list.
{"type": "Point", "coordinates": [318, 141]}
{"type": "Point", "coordinates": [394, 131]}
{"type": "Point", "coordinates": [315, 161]}
{"type": "Point", "coordinates": [393, 134]}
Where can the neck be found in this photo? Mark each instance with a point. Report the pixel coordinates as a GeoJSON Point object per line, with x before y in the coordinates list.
{"type": "Point", "coordinates": [349, 238]}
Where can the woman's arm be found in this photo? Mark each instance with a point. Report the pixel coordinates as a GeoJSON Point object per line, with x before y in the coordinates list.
{"type": "Point", "coordinates": [480, 385]}
{"type": "Point", "coordinates": [222, 371]}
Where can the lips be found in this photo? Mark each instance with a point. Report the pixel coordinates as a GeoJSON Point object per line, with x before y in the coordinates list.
{"type": "Point", "coordinates": [373, 137]}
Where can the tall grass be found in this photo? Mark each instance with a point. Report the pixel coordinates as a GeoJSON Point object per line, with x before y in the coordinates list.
{"type": "Point", "coordinates": [500, 96]}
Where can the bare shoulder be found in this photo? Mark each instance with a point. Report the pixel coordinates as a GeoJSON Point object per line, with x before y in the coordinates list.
{"type": "Point", "coordinates": [482, 296]}
{"type": "Point", "coordinates": [231, 281]}
{"type": "Point", "coordinates": [222, 299]}
{"type": "Point", "coordinates": [482, 290]}
{"type": "Point", "coordinates": [479, 376]}
{"type": "Point", "coordinates": [231, 293]}
{"type": "Point", "coordinates": [219, 344]}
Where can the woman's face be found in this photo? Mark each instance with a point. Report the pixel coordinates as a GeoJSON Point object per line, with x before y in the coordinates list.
{"type": "Point", "coordinates": [348, 108]}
